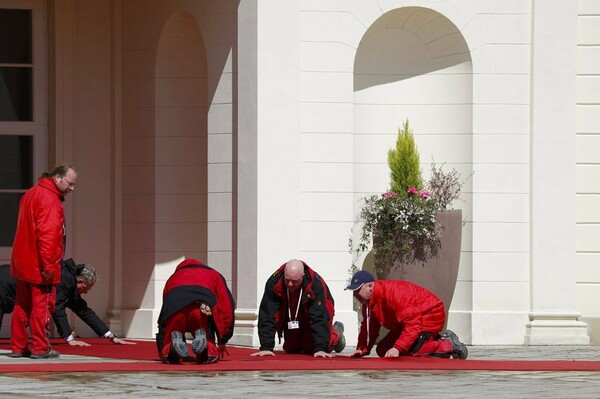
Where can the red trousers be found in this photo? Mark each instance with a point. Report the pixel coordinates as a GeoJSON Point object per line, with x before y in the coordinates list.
{"type": "Point", "coordinates": [431, 347]}
{"type": "Point", "coordinates": [187, 319]}
{"type": "Point", "coordinates": [433, 323]}
{"type": "Point", "coordinates": [34, 306]}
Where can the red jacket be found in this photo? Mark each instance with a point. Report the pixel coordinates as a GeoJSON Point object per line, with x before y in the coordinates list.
{"type": "Point", "coordinates": [399, 305]}
{"type": "Point", "coordinates": [193, 281]}
{"type": "Point", "coordinates": [38, 245]}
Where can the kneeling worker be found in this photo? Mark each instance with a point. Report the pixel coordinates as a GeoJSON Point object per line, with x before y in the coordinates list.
{"type": "Point", "coordinates": [413, 314]}
{"type": "Point", "coordinates": [297, 305]}
{"type": "Point", "coordinates": [75, 281]}
{"type": "Point", "coordinates": [196, 300]}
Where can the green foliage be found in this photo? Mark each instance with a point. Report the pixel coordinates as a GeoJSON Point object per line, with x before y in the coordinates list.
{"type": "Point", "coordinates": [402, 228]}
{"type": "Point", "coordinates": [401, 223]}
{"type": "Point", "coordinates": [405, 167]}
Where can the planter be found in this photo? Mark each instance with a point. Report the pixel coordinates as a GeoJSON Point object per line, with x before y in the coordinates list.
{"type": "Point", "coordinates": [438, 274]}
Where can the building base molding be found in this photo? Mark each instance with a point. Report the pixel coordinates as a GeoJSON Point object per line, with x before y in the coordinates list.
{"type": "Point", "coordinates": [139, 323]}
{"type": "Point", "coordinates": [556, 328]}
{"type": "Point", "coordinates": [114, 322]}
{"type": "Point", "coordinates": [246, 330]}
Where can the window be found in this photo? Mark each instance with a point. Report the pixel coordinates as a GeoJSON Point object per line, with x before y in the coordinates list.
{"type": "Point", "coordinates": [23, 137]}
{"type": "Point", "coordinates": [16, 67]}
{"type": "Point", "coordinates": [16, 176]}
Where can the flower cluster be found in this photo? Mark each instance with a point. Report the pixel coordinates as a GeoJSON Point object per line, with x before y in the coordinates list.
{"type": "Point", "coordinates": [402, 227]}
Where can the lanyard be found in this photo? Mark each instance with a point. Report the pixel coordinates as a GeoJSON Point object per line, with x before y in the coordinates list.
{"type": "Point", "coordinates": [297, 308]}
{"type": "Point", "coordinates": [368, 323]}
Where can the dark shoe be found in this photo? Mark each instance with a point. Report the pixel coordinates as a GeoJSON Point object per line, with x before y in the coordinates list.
{"type": "Point", "coordinates": [341, 344]}
{"type": "Point", "coordinates": [199, 342]}
{"type": "Point", "coordinates": [51, 354]}
{"type": "Point", "coordinates": [178, 344]}
{"type": "Point", "coordinates": [16, 355]}
{"type": "Point", "coordinates": [210, 359]}
{"type": "Point", "coordinates": [460, 350]}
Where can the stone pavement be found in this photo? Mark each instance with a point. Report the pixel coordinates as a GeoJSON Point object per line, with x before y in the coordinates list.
{"type": "Point", "coordinates": [325, 384]}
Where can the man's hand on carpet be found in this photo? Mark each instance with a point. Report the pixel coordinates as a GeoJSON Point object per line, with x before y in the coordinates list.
{"type": "Point", "coordinates": [119, 341]}
{"type": "Point", "coordinates": [76, 342]}
{"type": "Point", "coordinates": [222, 349]}
{"type": "Point", "coordinates": [263, 353]}
{"type": "Point", "coordinates": [323, 354]}
{"type": "Point", "coordinates": [392, 352]}
{"type": "Point", "coordinates": [359, 353]}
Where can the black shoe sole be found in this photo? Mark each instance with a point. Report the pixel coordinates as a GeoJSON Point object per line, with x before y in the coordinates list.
{"type": "Point", "coordinates": [210, 359]}
{"type": "Point", "coordinates": [341, 344]}
{"type": "Point", "coordinates": [52, 354]}
{"type": "Point", "coordinates": [19, 355]}
{"type": "Point", "coordinates": [199, 343]}
{"type": "Point", "coordinates": [460, 350]}
{"type": "Point", "coordinates": [179, 345]}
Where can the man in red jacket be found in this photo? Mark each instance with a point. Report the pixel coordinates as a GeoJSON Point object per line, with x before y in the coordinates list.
{"type": "Point", "coordinates": [298, 305]}
{"type": "Point", "coordinates": [414, 316]}
{"type": "Point", "coordinates": [196, 300]}
{"type": "Point", "coordinates": [37, 252]}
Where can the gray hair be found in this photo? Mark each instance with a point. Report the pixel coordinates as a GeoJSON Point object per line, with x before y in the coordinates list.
{"type": "Point", "coordinates": [60, 170]}
{"type": "Point", "coordinates": [88, 274]}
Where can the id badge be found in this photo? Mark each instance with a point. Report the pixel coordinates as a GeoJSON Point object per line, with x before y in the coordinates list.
{"type": "Point", "coordinates": [293, 325]}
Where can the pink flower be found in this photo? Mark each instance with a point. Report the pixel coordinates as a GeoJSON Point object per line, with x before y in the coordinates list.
{"type": "Point", "coordinates": [413, 190]}
{"type": "Point", "coordinates": [390, 194]}
{"type": "Point", "coordinates": [425, 194]}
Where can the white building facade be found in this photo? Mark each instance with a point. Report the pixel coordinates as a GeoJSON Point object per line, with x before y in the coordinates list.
{"type": "Point", "coordinates": [244, 133]}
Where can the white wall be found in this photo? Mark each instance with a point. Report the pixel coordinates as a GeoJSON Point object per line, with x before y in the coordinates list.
{"type": "Point", "coordinates": [588, 165]}
{"type": "Point", "coordinates": [293, 140]}
{"type": "Point", "coordinates": [178, 129]}
{"type": "Point", "coordinates": [500, 48]}
{"type": "Point", "coordinates": [484, 107]}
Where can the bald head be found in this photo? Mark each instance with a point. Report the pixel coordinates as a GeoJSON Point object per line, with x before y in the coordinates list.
{"type": "Point", "coordinates": [293, 274]}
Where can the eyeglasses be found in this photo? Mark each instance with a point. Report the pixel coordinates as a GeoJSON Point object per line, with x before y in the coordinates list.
{"type": "Point", "coordinates": [70, 183]}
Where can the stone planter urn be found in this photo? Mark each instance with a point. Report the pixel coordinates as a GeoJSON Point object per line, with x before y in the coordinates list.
{"type": "Point", "coordinates": [438, 274]}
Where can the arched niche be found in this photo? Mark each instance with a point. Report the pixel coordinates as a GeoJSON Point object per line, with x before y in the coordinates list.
{"type": "Point", "coordinates": [166, 161]}
{"type": "Point", "coordinates": [413, 63]}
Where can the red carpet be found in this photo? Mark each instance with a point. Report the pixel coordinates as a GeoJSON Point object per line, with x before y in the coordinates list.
{"type": "Point", "coordinates": [239, 359]}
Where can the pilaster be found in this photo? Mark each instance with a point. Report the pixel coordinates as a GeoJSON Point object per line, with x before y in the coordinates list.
{"type": "Point", "coordinates": [554, 319]}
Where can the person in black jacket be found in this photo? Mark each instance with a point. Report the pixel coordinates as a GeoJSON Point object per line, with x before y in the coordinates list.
{"type": "Point", "coordinates": [196, 299]}
{"type": "Point", "coordinates": [76, 279]}
{"type": "Point", "coordinates": [8, 292]}
{"type": "Point", "coordinates": [297, 305]}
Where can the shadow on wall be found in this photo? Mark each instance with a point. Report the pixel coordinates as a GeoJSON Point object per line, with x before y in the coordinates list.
{"type": "Point", "coordinates": [405, 43]}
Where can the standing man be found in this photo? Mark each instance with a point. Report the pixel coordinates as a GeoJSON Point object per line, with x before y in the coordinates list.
{"type": "Point", "coordinates": [298, 305]}
{"type": "Point", "coordinates": [37, 252]}
{"type": "Point", "coordinates": [414, 316]}
{"type": "Point", "coordinates": [196, 300]}
{"type": "Point", "coordinates": [75, 281]}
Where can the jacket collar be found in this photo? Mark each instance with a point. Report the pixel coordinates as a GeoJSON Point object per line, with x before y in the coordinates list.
{"type": "Point", "coordinates": [72, 267]}
{"type": "Point", "coordinates": [189, 262]}
{"type": "Point", "coordinates": [49, 184]}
